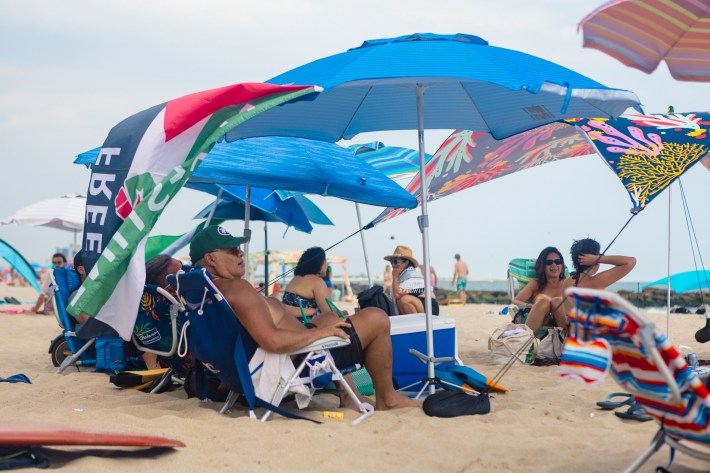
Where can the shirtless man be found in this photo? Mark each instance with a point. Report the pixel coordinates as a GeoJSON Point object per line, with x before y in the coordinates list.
{"type": "Point", "coordinates": [276, 331]}
{"type": "Point", "coordinates": [460, 274]}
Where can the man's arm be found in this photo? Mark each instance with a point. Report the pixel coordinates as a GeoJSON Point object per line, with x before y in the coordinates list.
{"type": "Point", "coordinates": [254, 314]}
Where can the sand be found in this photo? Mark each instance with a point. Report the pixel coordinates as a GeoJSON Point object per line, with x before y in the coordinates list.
{"type": "Point", "coordinates": [543, 423]}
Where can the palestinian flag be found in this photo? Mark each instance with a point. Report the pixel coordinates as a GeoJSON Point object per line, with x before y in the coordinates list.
{"type": "Point", "coordinates": [142, 164]}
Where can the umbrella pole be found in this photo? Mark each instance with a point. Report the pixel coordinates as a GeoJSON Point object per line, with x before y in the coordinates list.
{"type": "Point", "coordinates": [247, 232]}
{"type": "Point", "coordinates": [668, 297]}
{"type": "Point", "coordinates": [423, 221]}
{"type": "Point", "coordinates": [364, 248]}
{"type": "Point", "coordinates": [266, 259]}
{"type": "Point", "coordinates": [214, 207]}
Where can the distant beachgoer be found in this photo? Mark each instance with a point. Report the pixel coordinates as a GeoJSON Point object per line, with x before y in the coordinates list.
{"type": "Point", "coordinates": [433, 280]}
{"type": "Point", "coordinates": [407, 283]}
{"type": "Point", "coordinates": [328, 281]}
{"type": "Point", "coordinates": [45, 297]}
{"type": "Point", "coordinates": [586, 260]}
{"type": "Point", "coordinates": [546, 292]}
{"type": "Point", "coordinates": [387, 279]}
{"type": "Point", "coordinates": [460, 277]}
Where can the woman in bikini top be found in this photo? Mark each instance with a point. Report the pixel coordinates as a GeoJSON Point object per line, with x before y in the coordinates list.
{"type": "Point", "coordinates": [305, 294]}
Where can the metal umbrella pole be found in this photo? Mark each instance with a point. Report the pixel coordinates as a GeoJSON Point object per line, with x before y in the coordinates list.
{"type": "Point", "coordinates": [364, 248]}
{"type": "Point", "coordinates": [247, 231]}
{"type": "Point", "coordinates": [266, 259]}
{"type": "Point", "coordinates": [423, 221]}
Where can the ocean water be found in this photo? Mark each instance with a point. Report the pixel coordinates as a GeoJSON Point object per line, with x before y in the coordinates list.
{"type": "Point", "coordinates": [501, 284]}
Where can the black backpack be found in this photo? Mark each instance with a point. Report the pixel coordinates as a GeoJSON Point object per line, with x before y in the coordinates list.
{"type": "Point", "coordinates": [375, 297]}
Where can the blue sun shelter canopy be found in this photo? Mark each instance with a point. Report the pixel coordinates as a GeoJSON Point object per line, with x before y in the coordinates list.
{"type": "Point", "coordinates": [686, 281]}
{"type": "Point", "coordinates": [468, 85]}
{"type": "Point", "coordinates": [17, 261]}
{"type": "Point", "coordinates": [298, 212]}
{"type": "Point", "coordinates": [294, 164]}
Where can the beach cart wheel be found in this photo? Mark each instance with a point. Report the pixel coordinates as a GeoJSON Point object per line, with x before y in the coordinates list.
{"type": "Point", "coordinates": [59, 350]}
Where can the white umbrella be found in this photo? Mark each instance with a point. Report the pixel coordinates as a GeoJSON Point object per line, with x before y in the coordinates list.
{"type": "Point", "coordinates": [64, 213]}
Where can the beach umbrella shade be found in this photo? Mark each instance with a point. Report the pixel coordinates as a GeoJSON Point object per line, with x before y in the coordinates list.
{"type": "Point", "coordinates": [266, 206]}
{"type": "Point", "coordinates": [63, 213]}
{"type": "Point", "coordinates": [430, 81]}
{"type": "Point", "coordinates": [685, 281]}
{"type": "Point", "coordinates": [293, 164]}
{"type": "Point", "coordinates": [393, 161]}
{"type": "Point", "coordinates": [642, 33]}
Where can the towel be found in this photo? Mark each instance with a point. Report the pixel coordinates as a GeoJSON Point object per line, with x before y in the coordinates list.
{"type": "Point", "coordinates": [268, 370]}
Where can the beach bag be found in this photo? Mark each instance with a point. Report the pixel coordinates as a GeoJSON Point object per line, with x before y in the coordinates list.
{"type": "Point", "coordinates": [456, 403]}
{"type": "Point", "coordinates": [375, 297]}
{"type": "Point", "coordinates": [510, 340]}
{"type": "Point", "coordinates": [550, 345]}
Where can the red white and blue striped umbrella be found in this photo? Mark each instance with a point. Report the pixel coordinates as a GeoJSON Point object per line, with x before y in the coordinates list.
{"type": "Point", "coordinates": [642, 33]}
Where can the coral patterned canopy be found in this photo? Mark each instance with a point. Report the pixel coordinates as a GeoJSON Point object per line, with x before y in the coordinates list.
{"type": "Point", "coordinates": [647, 152]}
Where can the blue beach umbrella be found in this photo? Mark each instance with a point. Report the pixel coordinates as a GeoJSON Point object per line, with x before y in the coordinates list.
{"type": "Point", "coordinates": [267, 206]}
{"type": "Point", "coordinates": [685, 281]}
{"type": "Point", "coordinates": [430, 81]}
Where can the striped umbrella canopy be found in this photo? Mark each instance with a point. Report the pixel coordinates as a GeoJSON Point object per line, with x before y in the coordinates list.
{"type": "Point", "coordinates": [642, 33]}
{"type": "Point", "coordinates": [64, 213]}
{"type": "Point", "coordinates": [393, 161]}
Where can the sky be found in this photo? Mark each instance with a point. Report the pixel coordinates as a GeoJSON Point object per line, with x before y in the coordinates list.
{"type": "Point", "coordinates": [71, 70]}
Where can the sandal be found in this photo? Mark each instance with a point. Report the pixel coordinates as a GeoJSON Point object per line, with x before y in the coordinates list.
{"type": "Point", "coordinates": [609, 404]}
{"type": "Point", "coordinates": [634, 412]}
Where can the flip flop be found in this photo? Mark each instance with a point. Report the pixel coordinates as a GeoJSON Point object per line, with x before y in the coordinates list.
{"type": "Point", "coordinates": [634, 412]}
{"type": "Point", "coordinates": [609, 404]}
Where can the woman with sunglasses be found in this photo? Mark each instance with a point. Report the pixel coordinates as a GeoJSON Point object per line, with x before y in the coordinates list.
{"type": "Point", "coordinates": [407, 289]}
{"type": "Point", "coordinates": [546, 291]}
{"type": "Point", "coordinates": [587, 261]}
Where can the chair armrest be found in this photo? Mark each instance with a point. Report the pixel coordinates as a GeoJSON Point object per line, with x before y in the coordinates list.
{"type": "Point", "coordinates": [326, 343]}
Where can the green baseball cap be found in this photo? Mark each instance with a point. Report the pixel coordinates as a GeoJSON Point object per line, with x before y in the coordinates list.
{"type": "Point", "coordinates": [210, 239]}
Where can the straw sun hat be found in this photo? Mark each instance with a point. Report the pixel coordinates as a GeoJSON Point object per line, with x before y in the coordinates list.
{"type": "Point", "coordinates": [403, 252]}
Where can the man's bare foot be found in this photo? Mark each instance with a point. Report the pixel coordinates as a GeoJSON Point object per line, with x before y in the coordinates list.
{"type": "Point", "coordinates": [397, 401]}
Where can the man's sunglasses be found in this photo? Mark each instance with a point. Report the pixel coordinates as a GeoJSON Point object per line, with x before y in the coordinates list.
{"type": "Point", "coordinates": [397, 260]}
{"type": "Point", "coordinates": [57, 263]}
{"type": "Point", "coordinates": [550, 262]}
{"type": "Point", "coordinates": [233, 251]}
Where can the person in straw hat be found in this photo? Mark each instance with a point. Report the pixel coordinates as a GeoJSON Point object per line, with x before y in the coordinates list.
{"type": "Point", "coordinates": [407, 283]}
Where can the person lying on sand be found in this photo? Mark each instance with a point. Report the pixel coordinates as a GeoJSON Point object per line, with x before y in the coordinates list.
{"type": "Point", "coordinates": [274, 330]}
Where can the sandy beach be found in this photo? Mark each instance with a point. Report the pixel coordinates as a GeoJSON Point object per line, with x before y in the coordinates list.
{"type": "Point", "coordinates": [542, 424]}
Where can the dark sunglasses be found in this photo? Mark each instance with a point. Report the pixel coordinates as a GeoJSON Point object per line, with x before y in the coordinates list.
{"type": "Point", "coordinates": [233, 251]}
{"type": "Point", "coordinates": [57, 263]}
{"type": "Point", "coordinates": [550, 262]}
{"type": "Point", "coordinates": [397, 260]}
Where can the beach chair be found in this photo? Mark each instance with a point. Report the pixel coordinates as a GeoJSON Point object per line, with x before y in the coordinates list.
{"type": "Point", "coordinates": [520, 272]}
{"type": "Point", "coordinates": [67, 349]}
{"type": "Point", "coordinates": [106, 353]}
{"type": "Point", "coordinates": [156, 331]}
{"type": "Point", "coordinates": [218, 340]}
{"type": "Point", "coordinates": [644, 363]}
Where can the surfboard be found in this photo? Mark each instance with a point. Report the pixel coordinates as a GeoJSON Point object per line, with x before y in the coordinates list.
{"type": "Point", "coordinates": [27, 434]}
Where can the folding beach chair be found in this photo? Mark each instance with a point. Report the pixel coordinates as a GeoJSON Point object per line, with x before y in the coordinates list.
{"type": "Point", "coordinates": [218, 340]}
{"type": "Point", "coordinates": [67, 349]}
{"type": "Point", "coordinates": [644, 363]}
{"type": "Point", "coordinates": [106, 353]}
{"type": "Point", "coordinates": [520, 272]}
{"type": "Point", "coordinates": [156, 331]}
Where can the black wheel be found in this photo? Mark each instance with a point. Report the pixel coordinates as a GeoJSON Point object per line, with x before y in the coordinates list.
{"type": "Point", "coordinates": [59, 350]}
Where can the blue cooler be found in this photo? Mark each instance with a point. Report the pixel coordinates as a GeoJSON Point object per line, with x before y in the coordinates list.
{"type": "Point", "coordinates": [409, 331]}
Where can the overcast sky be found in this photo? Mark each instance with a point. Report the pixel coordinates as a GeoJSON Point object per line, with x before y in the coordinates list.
{"type": "Point", "coordinates": [70, 70]}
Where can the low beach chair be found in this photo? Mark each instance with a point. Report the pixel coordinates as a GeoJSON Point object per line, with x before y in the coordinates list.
{"type": "Point", "coordinates": [218, 340]}
{"type": "Point", "coordinates": [67, 349]}
{"type": "Point", "coordinates": [105, 353]}
{"type": "Point", "coordinates": [644, 363]}
{"type": "Point", "coordinates": [156, 331]}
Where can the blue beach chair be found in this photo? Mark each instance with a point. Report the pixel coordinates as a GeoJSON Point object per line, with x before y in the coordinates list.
{"type": "Point", "coordinates": [106, 353]}
{"type": "Point", "coordinates": [218, 340]}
